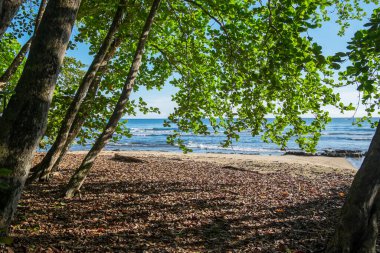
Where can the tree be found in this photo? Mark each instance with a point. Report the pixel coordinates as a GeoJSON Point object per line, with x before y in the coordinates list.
{"type": "Point", "coordinates": [233, 62]}
{"type": "Point", "coordinates": [82, 115]}
{"type": "Point", "coordinates": [80, 174]}
{"type": "Point", "coordinates": [46, 165]}
{"type": "Point", "coordinates": [23, 122]}
{"type": "Point", "coordinates": [357, 229]}
{"type": "Point", "coordinates": [8, 9]}
{"type": "Point", "coordinates": [100, 102]}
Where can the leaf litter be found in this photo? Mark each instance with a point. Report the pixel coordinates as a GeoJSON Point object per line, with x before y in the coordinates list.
{"type": "Point", "coordinates": [172, 205]}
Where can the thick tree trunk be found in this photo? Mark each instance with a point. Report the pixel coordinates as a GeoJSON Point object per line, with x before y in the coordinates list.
{"type": "Point", "coordinates": [81, 173]}
{"type": "Point", "coordinates": [7, 75]}
{"type": "Point", "coordinates": [44, 169]}
{"type": "Point", "coordinates": [357, 228]}
{"type": "Point", "coordinates": [24, 120]}
{"type": "Point", "coordinates": [52, 156]}
{"type": "Point", "coordinates": [8, 9]}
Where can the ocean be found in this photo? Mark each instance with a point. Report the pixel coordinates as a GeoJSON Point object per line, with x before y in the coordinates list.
{"type": "Point", "coordinates": [150, 135]}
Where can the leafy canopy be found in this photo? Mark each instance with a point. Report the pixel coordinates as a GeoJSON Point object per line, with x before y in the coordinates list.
{"type": "Point", "coordinates": [364, 65]}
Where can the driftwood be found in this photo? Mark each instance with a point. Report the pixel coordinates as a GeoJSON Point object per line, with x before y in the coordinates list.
{"type": "Point", "coordinates": [127, 159]}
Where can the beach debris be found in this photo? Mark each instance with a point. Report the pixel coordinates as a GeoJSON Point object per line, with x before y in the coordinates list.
{"type": "Point", "coordinates": [343, 153]}
{"type": "Point", "coordinates": [330, 153]}
{"type": "Point", "coordinates": [299, 153]}
{"type": "Point", "coordinates": [176, 159]}
{"type": "Point", "coordinates": [127, 159]}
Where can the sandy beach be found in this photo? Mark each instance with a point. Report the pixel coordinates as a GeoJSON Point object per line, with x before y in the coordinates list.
{"type": "Point", "coordinates": [171, 202]}
{"type": "Point", "coordinates": [302, 165]}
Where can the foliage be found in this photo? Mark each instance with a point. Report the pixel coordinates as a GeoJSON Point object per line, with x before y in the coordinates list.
{"type": "Point", "coordinates": [9, 47]}
{"type": "Point", "coordinates": [233, 62]}
{"type": "Point", "coordinates": [23, 23]}
{"type": "Point", "coordinates": [154, 71]}
{"type": "Point", "coordinates": [67, 84]}
{"type": "Point", "coordinates": [363, 71]}
{"type": "Point", "coordinates": [241, 61]}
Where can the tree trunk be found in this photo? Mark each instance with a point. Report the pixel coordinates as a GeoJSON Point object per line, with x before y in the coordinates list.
{"type": "Point", "coordinates": [8, 9]}
{"type": "Point", "coordinates": [44, 169]}
{"type": "Point", "coordinates": [24, 120]}
{"type": "Point", "coordinates": [4, 79]}
{"type": "Point", "coordinates": [81, 173]}
{"type": "Point", "coordinates": [45, 166]}
{"type": "Point", "coordinates": [357, 228]}
{"type": "Point", "coordinates": [85, 109]}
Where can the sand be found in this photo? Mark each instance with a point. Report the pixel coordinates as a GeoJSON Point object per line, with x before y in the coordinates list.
{"type": "Point", "coordinates": [296, 165]}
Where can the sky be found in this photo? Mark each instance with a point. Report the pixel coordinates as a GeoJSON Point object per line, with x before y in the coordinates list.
{"type": "Point", "coordinates": [326, 36]}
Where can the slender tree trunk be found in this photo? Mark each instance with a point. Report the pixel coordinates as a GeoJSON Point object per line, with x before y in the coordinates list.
{"type": "Point", "coordinates": [44, 169]}
{"type": "Point", "coordinates": [86, 107]}
{"type": "Point", "coordinates": [8, 9]}
{"type": "Point", "coordinates": [74, 131]}
{"type": "Point", "coordinates": [24, 120]}
{"type": "Point", "coordinates": [81, 173]}
{"type": "Point", "coordinates": [357, 228]}
{"type": "Point", "coordinates": [9, 72]}
{"type": "Point", "coordinates": [45, 166]}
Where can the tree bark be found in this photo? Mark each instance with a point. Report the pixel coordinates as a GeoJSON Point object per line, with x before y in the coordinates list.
{"type": "Point", "coordinates": [45, 166]}
{"type": "Point", "coordinates": [44, 169]}
{"type": "Point", "coordinates": [8, 9]}
{"type": "Point", "coordinates": [357, 228]}
{"type": "Point", "coordinates": [9, 72]}
{"type": "Point", "coordinates": [24, 120]}
{"type": "Point", "coordinates": [81, 173]}
{"type": "Point", "coordinates": [85, 109]}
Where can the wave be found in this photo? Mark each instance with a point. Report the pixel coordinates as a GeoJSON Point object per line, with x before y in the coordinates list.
{"type": "Point", "coordinates": [347, 133]}
{"type": "Point", "coordinates": [153, 128]}
{"type": "Point", "coordinates": [346, 138]}
{"type": "Point", "coordinates": [349, 129]}
{"type": "Point", "coordinates": [157, 132]}
{"type": "Point", "coordinates": [204, 146]}
{"type": "Point", "coordinates": [361, 138]}
{"type": "Point", "coordinates": [138, 144]}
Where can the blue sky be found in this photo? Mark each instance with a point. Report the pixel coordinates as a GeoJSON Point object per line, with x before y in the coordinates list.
{"type": "Point", "coordinates": [326, 36]}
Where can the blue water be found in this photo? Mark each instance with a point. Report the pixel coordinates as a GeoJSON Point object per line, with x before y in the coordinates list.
{"type": "Point", "coordinates": [150, 135]}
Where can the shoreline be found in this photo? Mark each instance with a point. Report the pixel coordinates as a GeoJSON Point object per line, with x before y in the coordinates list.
{"type": "Point", "coordinates": [300, 165]}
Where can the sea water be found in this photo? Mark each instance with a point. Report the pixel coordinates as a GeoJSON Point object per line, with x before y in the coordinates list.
{"type": "Point", "coordinates": [151, 135]}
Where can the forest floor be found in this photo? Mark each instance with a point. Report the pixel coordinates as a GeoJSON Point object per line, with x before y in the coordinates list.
{"type": "Point", "coordinates": [176, 203]}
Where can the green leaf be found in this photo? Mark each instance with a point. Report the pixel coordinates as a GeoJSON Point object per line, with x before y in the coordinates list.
{"type": "Point", "coordinates": [5, 172]}
{"type": "Point", "coordinates": [6, 240]}
{"type": "Point", "coordinates": [4, 186]}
